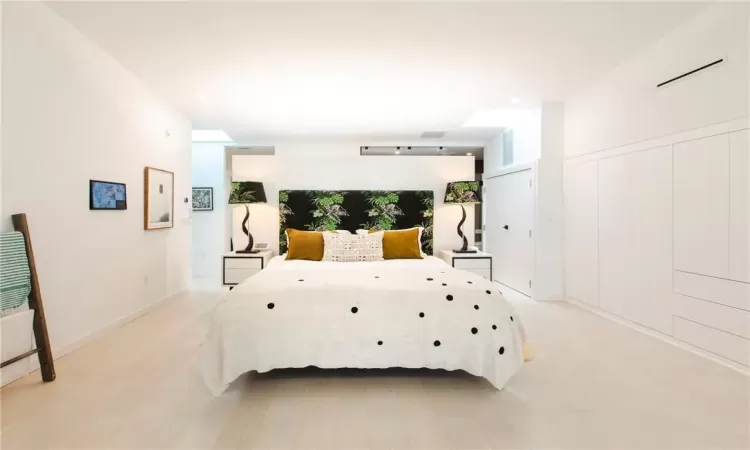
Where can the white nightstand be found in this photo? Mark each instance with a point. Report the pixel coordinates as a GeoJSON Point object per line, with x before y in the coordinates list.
{"type": "Point", "coordinates": [479, 263]}
{"type": "Point", "coordinates": [236, 267]}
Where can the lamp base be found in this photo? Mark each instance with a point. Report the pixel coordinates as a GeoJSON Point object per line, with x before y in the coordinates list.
{"type": "Point", "coordinates": [247, 251]}
{"type": "Point", "coordinates": [461, 251]}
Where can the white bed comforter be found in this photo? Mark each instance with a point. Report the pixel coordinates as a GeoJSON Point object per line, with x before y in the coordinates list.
{"type": "Point", "coordinates": [400, 313]}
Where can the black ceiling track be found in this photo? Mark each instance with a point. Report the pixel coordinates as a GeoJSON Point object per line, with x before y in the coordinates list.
{"type": "Point", "coordinates": [691, 72]}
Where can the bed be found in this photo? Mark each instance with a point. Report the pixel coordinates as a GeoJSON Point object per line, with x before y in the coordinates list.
{"type": "Point", "coordinates": [399, 313]}
{"type": "Point", "coordinates": [408, 313]}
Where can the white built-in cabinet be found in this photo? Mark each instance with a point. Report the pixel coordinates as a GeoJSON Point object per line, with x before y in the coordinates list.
{"type": "Point", "coordinates": [582, 232]}
{"type": "Point", "coordinates": [739, 206]}
{"type": "Point", "coordinates": [711, 206]}
{"type": "Point", "coordinates": [701, 206]}
{"type": "Point", "coordinates": [660, 236]}
{"type": "Point", "coordinates": [635, 245]}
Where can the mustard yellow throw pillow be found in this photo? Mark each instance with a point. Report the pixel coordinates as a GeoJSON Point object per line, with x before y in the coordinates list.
{"type": "Point", "coordinates": [304, 245]}
{"type": "Point", "coordinates": [401, 244]}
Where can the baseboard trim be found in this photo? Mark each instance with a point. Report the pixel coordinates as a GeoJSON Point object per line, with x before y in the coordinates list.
{"type": "Point", "coordinates": [737, 367]}
{"type": "Point", "coordinates": [60, 352]}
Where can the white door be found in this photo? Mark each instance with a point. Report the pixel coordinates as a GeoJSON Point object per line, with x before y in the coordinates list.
{"type": "Point", "coordinates": [510, 216]}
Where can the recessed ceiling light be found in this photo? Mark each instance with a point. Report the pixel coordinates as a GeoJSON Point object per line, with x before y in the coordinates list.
{"type": "Point", "coordinates": [397, 152]}
{"type": "Point", "coordinates": [515, 100]}
{"type": "Point", "coordinates": [468, 154]}
{"type": "Point", "coordinates": [210, 136]}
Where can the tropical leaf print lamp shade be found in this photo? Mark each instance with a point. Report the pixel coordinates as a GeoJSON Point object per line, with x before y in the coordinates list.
{"type": "Point", "coordinates": [461, 193]}
{"type": "Point", "coordinates": [243, 193]}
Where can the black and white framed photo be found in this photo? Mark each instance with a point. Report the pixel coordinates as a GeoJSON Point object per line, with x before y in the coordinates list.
{"type": "Point", "coordinates": [203, 199]}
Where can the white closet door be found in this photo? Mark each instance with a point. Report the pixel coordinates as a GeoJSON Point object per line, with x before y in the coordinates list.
{"type": "Point", "coordinates": [493, 214]}
{"type": "Point", "coordinates": [510, 215]}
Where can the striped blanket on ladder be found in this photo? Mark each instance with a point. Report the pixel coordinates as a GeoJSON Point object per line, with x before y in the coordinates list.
{"type": "Point", "coordinates": [15, 278]}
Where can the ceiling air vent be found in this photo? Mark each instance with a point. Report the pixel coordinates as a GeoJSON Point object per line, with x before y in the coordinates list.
{"type": "Point", "coordinates": [432, 134]}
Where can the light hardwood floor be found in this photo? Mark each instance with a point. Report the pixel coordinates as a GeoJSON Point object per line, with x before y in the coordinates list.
{"type": "Point", "coordinates": [594, 384]}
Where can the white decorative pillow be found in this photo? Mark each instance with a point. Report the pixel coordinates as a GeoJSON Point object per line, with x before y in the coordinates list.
{"type": "Point", "coordinates": [352, 247]}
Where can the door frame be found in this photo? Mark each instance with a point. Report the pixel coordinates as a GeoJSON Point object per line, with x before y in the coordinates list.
{"type": "Point", "coordinates": [533, 167]}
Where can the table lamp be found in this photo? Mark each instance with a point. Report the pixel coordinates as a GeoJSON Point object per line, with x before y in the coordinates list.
{"type": "Point", "coordinates": [461, 193]}
{"type": "Point", "coordinates": [244, 193]}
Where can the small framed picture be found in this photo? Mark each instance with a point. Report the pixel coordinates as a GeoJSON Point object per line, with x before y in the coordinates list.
{"type": "Point", "coordinates": [107, 195]}
{"type": "Point", "coordinates": [203, 199]}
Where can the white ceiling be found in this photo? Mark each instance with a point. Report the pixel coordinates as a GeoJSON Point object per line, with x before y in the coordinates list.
{"type": "Point", "coordinates": [370, 71]}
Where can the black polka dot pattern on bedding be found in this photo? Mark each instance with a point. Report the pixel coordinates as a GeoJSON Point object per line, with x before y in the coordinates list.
{"type": "Point", "coordinates": [511, 318]}
{"type": "Point", "coordinates": [380, 342]}
{"type": "Point", "coordinates": [270, 306]}
{"type": "Point", "coordinates": [354, 310]}
{"type": "Point", "coordinates": [449, 297]}
{"type": "Point", "coordinates": [445, 284]}
{"type": "Point", "coordinates": [436, 343]}
{"type": "Point", "coordinates": [488, 292]}
{"type": "Point", "coordinates": [494, 327]}
{"type": "Point", "coordinates": [377, 276]}
{"type": "Point", "coordinates": [421, 314]}
{"type": "Point", "coordinates": [476, 306]}
{"type": "Point", "coordinates": [300, 279]}
{"type": "Point", "coordinates": [502, 350]}
{"type": "Point", "coordinates": [470, 282]}
{"type": "Point", "coordinates": [429, 279]}
{"type": "Point", "coordinates": [474, 330]}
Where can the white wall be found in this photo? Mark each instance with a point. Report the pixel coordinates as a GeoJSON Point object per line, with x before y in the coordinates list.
{"type": "Point", "coordinates": [527, 135]}
{"type": "Point", "coordinates": [338, 166]}
{"type": "Point", "coordinates": [526, 127]}
{"type": "Point", "coordinates": [626, 106]}
{"type": "Point", "coordinates": [72, 113]}
{"type": "Point", "coordinates": [210, 239]}
{"type": "Point", "coordinates": [655, 189]}
{"type": "Point", "coordinates": [493, 153]}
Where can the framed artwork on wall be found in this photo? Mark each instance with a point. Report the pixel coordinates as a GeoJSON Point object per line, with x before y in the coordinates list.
{"type": "Point", "coordinates": [106, 195]}
{"type": "Point", "coordinates": [158, 199]}
{"type": "Point", "coordinates": [203, 199]}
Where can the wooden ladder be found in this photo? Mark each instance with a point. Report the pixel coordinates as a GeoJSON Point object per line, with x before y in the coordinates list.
{"type": "Point", "coordinates": [43, 349]}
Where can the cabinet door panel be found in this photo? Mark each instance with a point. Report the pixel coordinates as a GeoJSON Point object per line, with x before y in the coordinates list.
{"type": "Point", "coordinates": [739, 202]}
{"type": "Point", "coordinates": [701, 206]}
{"type": "Point", "coordinates": [582, 232]}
